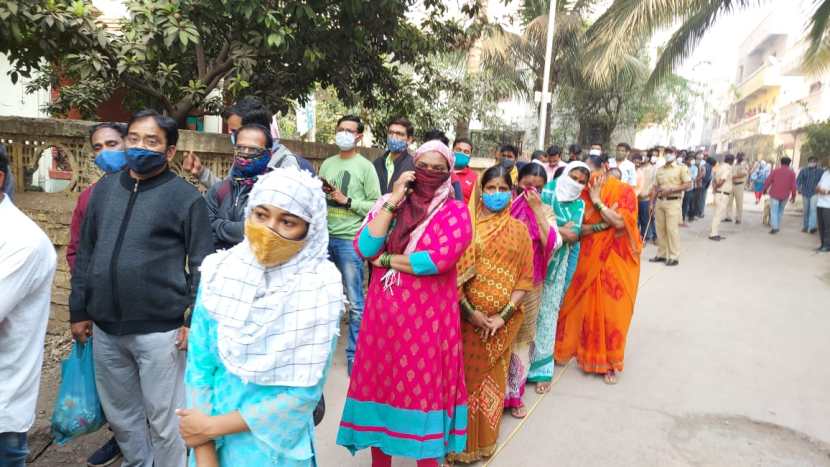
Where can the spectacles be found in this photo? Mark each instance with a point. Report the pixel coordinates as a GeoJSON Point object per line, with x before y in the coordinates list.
{"type": "Point", "coordinates": [247, 151]}
{"type": "Point", "coordinates": [149, 141]}
{"type": "Point", "coordinates": [431, 168]}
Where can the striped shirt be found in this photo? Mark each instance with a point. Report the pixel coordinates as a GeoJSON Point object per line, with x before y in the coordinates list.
{"type": "Point", "coordinates": [808, 178]}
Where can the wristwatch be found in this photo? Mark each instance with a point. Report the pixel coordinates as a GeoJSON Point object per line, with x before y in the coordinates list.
{"type": "Point", "coordinates": [348, 203]}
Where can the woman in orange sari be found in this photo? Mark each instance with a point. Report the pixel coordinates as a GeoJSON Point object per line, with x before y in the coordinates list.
{"type": "Point", "coordinates": [596, 311]}
{"type": "Point", "coordinates": [491, 311]}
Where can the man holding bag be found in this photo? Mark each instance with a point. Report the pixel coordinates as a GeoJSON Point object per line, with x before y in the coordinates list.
{"type": "Point", "coordinates": [27, 265]}
{"type": "Point", "coordinates": [144, 236]}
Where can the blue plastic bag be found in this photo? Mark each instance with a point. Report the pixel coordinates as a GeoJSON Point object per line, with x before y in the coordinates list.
{"type": "Point", "coordinates": [77, 409]}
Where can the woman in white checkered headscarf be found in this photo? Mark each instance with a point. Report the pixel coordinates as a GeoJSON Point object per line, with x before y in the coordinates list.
{"type": "Point", "coordinates": [263, 331]}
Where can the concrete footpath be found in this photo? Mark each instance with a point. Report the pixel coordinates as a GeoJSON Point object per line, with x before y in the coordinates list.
{"type": "Point", "coordinates": [724, 367]}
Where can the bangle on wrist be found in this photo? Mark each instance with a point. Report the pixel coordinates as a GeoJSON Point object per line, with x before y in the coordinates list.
{"type": "Point", "coordinates": [389, 207]}
{"type": "Point", "coordinates": [466, 309]}
{"type": "Point", "coordinates": [507, 311]}
{"type": "Point", "coordinates": [386, 260]}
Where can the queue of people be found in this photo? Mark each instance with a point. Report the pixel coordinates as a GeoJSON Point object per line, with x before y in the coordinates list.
{"type": "Point", "coordinates": [215, 317]}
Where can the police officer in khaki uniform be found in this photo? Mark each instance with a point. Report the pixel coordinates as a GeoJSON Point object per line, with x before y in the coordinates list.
{"type": "Point", "coordinates": [722, 189]}
{"type": "Point", "coordinates": [672, 180]}
{"type": "Point", "coordinates": [740, 171]}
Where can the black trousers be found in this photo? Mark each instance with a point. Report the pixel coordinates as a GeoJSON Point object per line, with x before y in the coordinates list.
{"type": "Point", "coordinates": [823, 216]}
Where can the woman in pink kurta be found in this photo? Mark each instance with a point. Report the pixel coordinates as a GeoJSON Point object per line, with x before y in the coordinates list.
{"type": "Point", "coordinates": [407, 395]}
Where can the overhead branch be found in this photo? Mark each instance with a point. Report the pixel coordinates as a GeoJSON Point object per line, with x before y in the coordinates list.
{"type": "Point", "coordinates": [149, 90]}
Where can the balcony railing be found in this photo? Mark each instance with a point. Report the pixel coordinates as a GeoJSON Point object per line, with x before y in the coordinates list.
{"type": "Point", "coordinates": [765, 77]}
{"type": "Point", "coordinates": [760, 123]}
{"type": "Point", "coordinates": [803, 112]}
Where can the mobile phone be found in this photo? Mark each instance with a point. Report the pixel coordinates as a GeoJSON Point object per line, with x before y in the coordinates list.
{"type": "Point", "coordinates": [327, 187]}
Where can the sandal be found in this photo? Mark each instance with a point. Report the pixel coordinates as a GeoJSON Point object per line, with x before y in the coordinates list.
{"type": "Point", "coordinates": [543, 387]}
{"type": "Point", "coordinates": [519, 412]}
{"type": "Point", "coordinates": [610, 377]}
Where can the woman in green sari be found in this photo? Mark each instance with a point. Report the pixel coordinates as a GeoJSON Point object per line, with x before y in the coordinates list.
{"type": "Point", "coordinates": [562, 194]}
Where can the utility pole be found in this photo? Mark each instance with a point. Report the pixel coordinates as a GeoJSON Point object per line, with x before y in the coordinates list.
{"type": "Point", "coordinates": [543, 111]}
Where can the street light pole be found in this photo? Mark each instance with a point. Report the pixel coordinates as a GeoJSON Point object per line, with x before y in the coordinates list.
{"type": "Point", "coordinates": [543, 112]}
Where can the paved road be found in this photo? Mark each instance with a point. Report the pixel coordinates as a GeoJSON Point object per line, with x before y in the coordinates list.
{"type": "Point", "coordinates": [724, 367]}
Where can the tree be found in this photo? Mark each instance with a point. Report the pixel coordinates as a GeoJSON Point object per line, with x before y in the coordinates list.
{"type": "Point", "coordinates": [818, 143]}
{"type": "Point", "coordinates": [439, 100]}
{"type": "Point", "coordinates": [623, 26]}
{"type": "Point", "coordinates": [172, 54]}
{"type": "Point", "coordinates": [520, 60]}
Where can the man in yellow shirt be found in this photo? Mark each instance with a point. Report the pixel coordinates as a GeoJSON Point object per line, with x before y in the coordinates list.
{"type": "Point", "coordinates": [722, 189]}
{"type": "Point", "coordinates": [671, 181]}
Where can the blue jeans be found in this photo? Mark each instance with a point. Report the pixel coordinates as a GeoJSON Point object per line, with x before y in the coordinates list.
{"type": "Point", "coordinates": [14, 448]}
{"type": "Point", "coordinates": [810, 208]}
{"type": "Point", "coordinates": [776, 210]}
{"type": "Point", "coordinates": [344, 256]}
{"type": "Point", "coordinates": [643, 221]}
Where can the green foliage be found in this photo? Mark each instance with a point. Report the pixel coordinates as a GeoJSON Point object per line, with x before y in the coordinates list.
{"type": "Point", "coordinates": [172, 54]}
{"type": "Point", "coordinates": [440, 100]}
{"type": "Point", "coordinates": [818, 142]}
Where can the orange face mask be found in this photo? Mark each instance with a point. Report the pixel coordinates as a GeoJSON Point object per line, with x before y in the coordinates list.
{"type": "Point", "coordinates": [270, 248]}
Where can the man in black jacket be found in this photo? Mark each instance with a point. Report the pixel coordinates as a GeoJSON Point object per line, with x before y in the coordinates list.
{"type": "Point", "coordinates": [226, 200]}
{"type": "Point", "coordinates": [144, 236]}
{"type": "Point", "coordinates": [396, 160]}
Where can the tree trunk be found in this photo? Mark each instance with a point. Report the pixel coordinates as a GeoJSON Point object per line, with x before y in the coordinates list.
{"type": "Point", "coordinates": [180, 111]}
{"type": "Point", "coordinates": [592, 131]}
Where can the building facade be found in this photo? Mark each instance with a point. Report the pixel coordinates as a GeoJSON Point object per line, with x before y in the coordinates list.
{"type": "Point", "coordinates": [772, 98]}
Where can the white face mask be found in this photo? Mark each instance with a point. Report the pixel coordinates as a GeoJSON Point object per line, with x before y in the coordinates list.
{"type": "Point", "coordinates": [653, 159]}
{"type": "Point", "coordinates": [344, 140]}
{"type": "Point", "coordinates": [694, 162]}
{"type": "Point", "coordinates": [567, 189]}
{"type": "Point", "coordinates": [670, 158]}
{"type": "Point", "coordinates": [594, 152]}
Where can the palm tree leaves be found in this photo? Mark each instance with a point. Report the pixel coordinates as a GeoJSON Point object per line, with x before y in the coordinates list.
{"type": "Point", "coordinates": [817, 56]}
{"type": "Point", "coordinates": [683, 42]}
{"type": "Point", "coordinates": [627, 23]}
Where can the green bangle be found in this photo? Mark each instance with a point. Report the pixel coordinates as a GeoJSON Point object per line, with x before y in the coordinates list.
{"type": "Point", "coordinates": [386, 260]}
{"type": "Point", "coordinates": [466, 308]}
{"type": "Point", "coordinates": [389, 207]}
{"type": "Point", "coordinates": [507, 311]}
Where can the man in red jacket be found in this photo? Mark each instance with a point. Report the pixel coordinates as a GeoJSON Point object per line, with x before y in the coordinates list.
{"type": "Point", "coordinates": [107, 141]}
{"type": "Point", "coordinates": [780, 185]}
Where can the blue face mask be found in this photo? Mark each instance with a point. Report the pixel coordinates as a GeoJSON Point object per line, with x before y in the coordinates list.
{"type": "Point", "coordinates": [496, 202]}
{"type": "Point", "coordinates": [508, 163]}
{"type": "Point", "coordinates": [395, 145]}
{"type": "Point", "coordinates": [143, 161]}
{"type": "Point", "coordinates": [110, 160]}
{"type": "Point", "coordinates": [461, 160]}
{"type": "Point", "coordinates": [250, 168]}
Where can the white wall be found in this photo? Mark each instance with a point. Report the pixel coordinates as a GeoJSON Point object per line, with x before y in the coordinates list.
{"type": "Point", "coordinates": [14, 101]}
